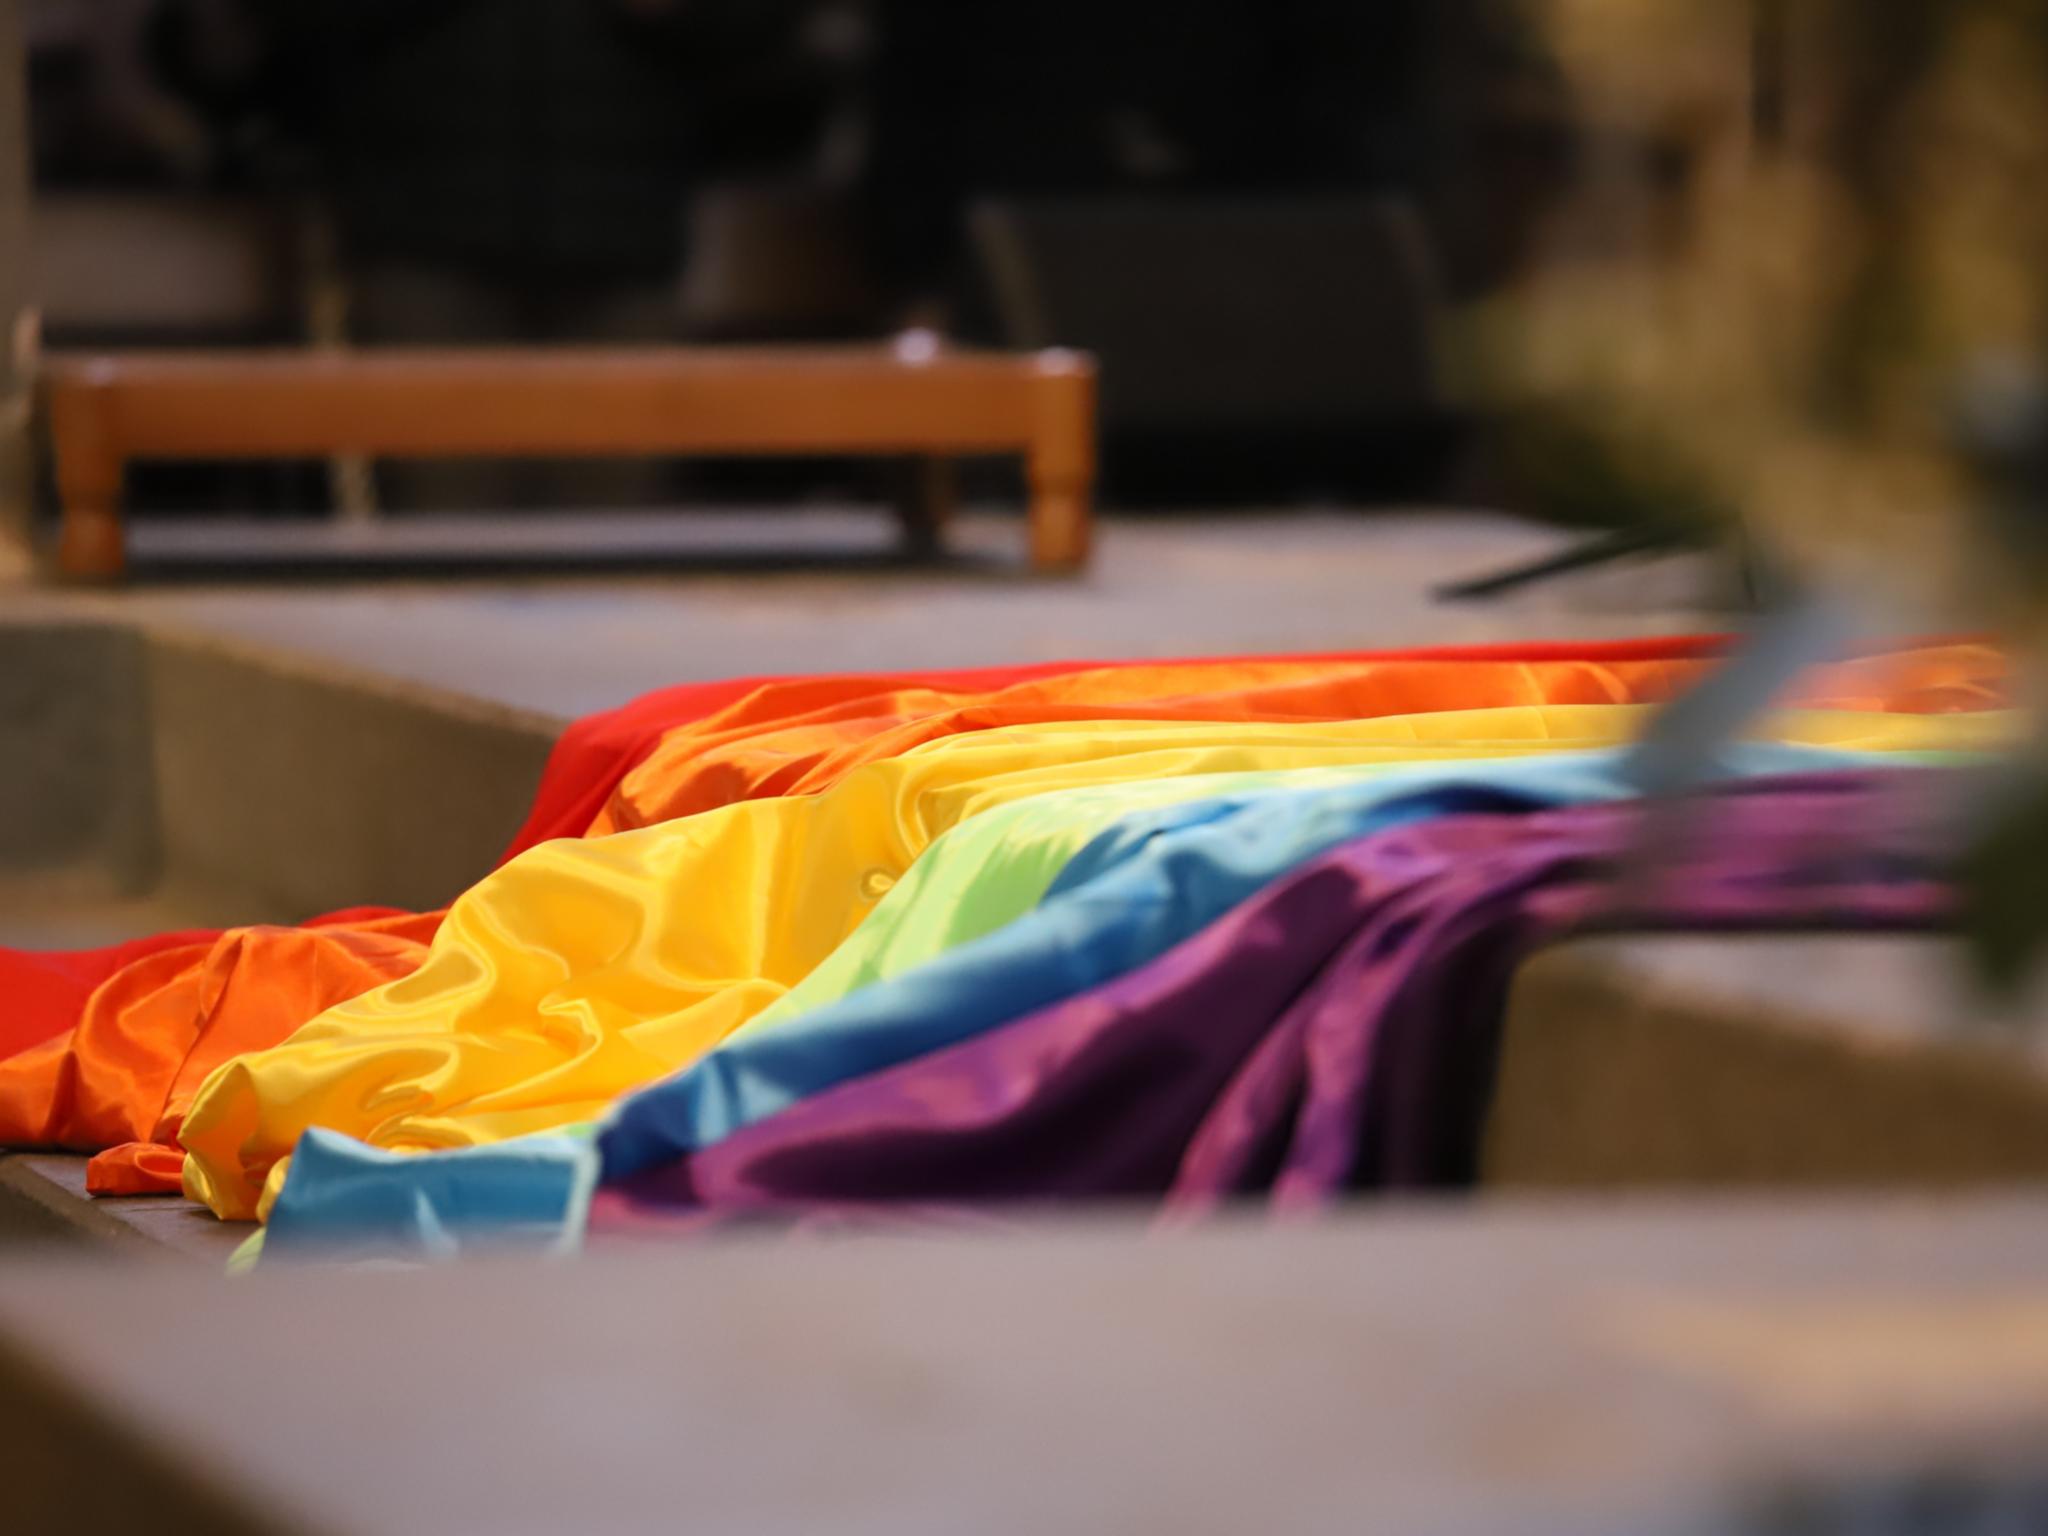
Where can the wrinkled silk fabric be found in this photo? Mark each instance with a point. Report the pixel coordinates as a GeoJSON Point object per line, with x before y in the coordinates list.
{"type": "Point", "coordinates": [795, 721]}
{"type": "Point", "coordinates": [1338, 1031]}
{"type": "Point", "coordinates": [1161, 878]}
{"type": "Point", "coordinates": [44, 993]}
{"type": "Point", "coordinates": [596, 752]}
{"type": "Point", "coordinates": [584, 969]}
{"type": "Point", "coordinates": [688, 726]}
{"type": "Point", "coordinates": [151, 1032]}
{"type": "Point", "coordinates": [716, 763]}
{"type": "Point", "coordinates": [1177, 869]}
{"type": "Point", "coordinates": [150, 1040]}
{"type": "Point", "coordinates": [975, 878]}
{"type": "Point", "coordinates": [523, 1195]}
{"type": "Point", "coordinates": [992, 869]}
{"type": "Point", "coordinates": [141, 1071]}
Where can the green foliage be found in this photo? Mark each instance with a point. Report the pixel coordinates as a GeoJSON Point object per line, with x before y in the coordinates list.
{"type": "Point", "coordinates": [1565, 467]}
{"type": "Point", "coordinates": [2004, 880]}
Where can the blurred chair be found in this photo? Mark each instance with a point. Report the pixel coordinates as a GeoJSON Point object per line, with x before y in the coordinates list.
{"type": "Point", "coordinates": [775, 261]}
{"type": "Point", "coordinates": [140, 268]}
{"type": "Point", "coordinates": [1303, 324]}
{"type": "Point", "coordinates": [147, 269]}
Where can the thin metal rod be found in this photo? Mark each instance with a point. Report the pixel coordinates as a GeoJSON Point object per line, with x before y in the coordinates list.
{"type": "Point", "coordinates": [1601, 549]}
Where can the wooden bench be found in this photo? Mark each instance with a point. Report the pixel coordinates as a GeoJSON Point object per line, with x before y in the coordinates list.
{"type": "Point", "coordinates": [909, 400]}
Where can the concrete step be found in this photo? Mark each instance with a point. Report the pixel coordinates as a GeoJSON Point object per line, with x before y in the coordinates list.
{"type": "Point", "coordinates": [242, 779]}
{"type": "Point", "coordinates": [43, 1203]}
{"type": "Point", "coordinates": [156, 779]}
{"type": "Point", "coordinates": [1763, 1062]}
{"type": "Point", "coordinates": [1866, 1368]}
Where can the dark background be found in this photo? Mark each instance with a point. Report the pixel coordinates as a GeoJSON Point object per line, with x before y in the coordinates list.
{"type": "Point", "coordinates": [1253, 210]}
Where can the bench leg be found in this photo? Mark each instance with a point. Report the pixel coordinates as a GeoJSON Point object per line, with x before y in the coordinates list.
{"type": "Point", "coordinates": [926, 491]}
{"type": "Point", "coordinates": [1059, 525]}
{"type": "Point", "coordinates": [1061, 466]}
{"type": "Point", "coordinates": [91, 544]}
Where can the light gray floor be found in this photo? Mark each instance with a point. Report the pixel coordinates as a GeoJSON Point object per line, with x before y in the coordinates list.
{"type": "Point", "coordinates": [567, 644]}
{"type": "Point", "coordinates": [1868, 1367]}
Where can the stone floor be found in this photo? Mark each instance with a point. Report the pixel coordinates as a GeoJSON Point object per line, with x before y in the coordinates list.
{"type": "Point", "coordinates": [1516, 1364]}
{"type": "Point", "coordinates": [1874, 1367]}
{"type": "Point", "coordinates": [610, 606]}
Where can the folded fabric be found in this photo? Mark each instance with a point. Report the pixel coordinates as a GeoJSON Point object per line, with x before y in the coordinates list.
{"type": "Point", "coordinates": [693, 721]}
{"type": "Point", "coordinates": [45, 993]}
{"type": "Point", "coordinates": [581, 970]}
{"type": "Point", "coordinates": [127, 1081]}
{"type": "Point", "coordinates": [717, 762]}
{"type": "Point", "coordinates": [1183, 868]}
{"type": "Point", "coordinates": [773, 724]}
{"type": "Point", "coordinates": [515, 1197]}
{"type": "Point", "coordinates": [150, 1034]}
{"type": "Point", "coordinates": [691, 725]}
{"type": "Point", "coordinates": [992, 869]}
{"type": "Point", "coordinates": [1337, 1031]}
{"type": "Point", "coordinates": [124, 1081]}
{"type": "Point", "coordinates": [1156, 880]}
{"type": "Point", "coordinates": [973, 879]}
{"type": "Point", "coordinates": [597, 751]}
{"type": "Point", "coordinates": [978, 876]}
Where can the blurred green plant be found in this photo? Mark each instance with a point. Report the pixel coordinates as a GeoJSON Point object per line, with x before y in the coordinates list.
{"type": "Point", "coordinates": [1829, 328]}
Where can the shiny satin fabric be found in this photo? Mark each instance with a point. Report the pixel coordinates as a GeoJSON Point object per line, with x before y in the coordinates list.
{"type": "Point", "coordinates": [1335, 1032]}
{"type": "Point", "coordinates": [147, 1044]}
{"type": "Point", "coordinates": [44, 993]}
{"type": "Point", "coordinates": [584, 969]}
{"type": "Point", "coordinates": [1205, 860]}
{"type": "Point", "coordinates": [598, 750]}
{"type": "Point", "coordinates": [993, 868]}
{"type": "Point", "coordinates": [973, 879]}
{"type": "Point", "coordinates": [717, 761]}
{"type": "Point", "coordinates": [139, 1063]}
{"type": "Point", "coordinates": [146, 1039]}
{"type": "Point", "coordinates": [526, 1195]}
{"type": "Point", "coordinates": [711, 715]}
{"type": "Point", "coordinates": [762, 1070]}
{"type": "Point", "coordinates": [1142, 886]}
{"type": "Point", "coordinates": [805, 731]}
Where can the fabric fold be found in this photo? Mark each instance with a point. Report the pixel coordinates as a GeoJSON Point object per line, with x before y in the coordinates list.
{"type": "Point", "coordinates": [142, 1060]}
{"type": "Point", "coordinates": [1335, 1033]}
{"type": "Point", "coordinates": [1139, 888]}
{"type": "Point", "coordinates": [1173, 870]}
{"type": "Point", "coordinates": [582, 970]}
{"type": "Point", "coordinates": [114, 1051]}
